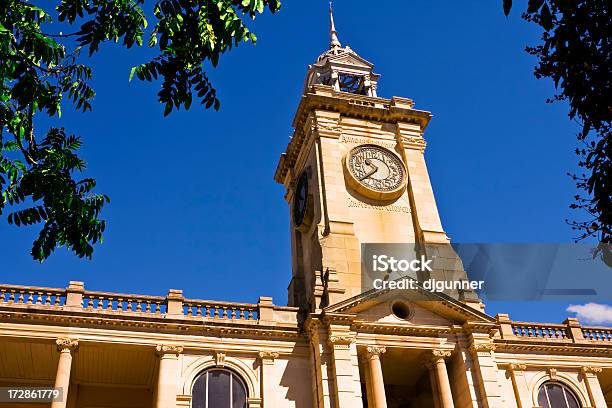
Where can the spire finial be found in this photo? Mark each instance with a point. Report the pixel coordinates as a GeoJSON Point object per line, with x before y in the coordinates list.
{"type": "Point", "coordinates": [333, 34]}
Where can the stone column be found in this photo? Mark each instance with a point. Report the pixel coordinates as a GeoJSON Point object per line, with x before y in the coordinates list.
{"type": "Point", "coordinates": [593, 387]}
{"type": "Point", "coordinates": [364, 364]}
{"type": "Point", "coordinates": [167, 375]}
{"type": "Point", "coordinates": [376, 376]}
{"type": "Point", "coordinates": [444, 388]}
{"type": "Point", "coordinates": [427, 362]}
{"type": "Point", "coordinates": [62, 377]}
{"type": "Point", "coordinates": [519, 384]}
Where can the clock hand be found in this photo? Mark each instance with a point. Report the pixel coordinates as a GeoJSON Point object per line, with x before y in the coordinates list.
{"type": "Point", "coordinates": [369, 173]}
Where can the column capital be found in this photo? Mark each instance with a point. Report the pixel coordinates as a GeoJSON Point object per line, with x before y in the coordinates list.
{"type": "Point", "coordinates": [590, 370]}
{"type": "Point", "coordinates": [341, 342]}
{"type": "Point", "coordinates": [168, 349]}
{"type": "Point", "coordinates": [486, 348]}
{"type": "Point", "coordinates": [439, 355]}
{"type": "Point", "coordinates": [65, 345]}
{"type": "Point", "coordinates": [268, 357]}
{"type": "Point", "coordinates": [374, 352]}
{"type": "Point", "coordinates": [517, 367]}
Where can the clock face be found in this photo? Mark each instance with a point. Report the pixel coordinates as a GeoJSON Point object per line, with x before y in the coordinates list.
{"type": "Point", "coordinates": [300, 200]}
{"type": "Point", "coordinates": [377, 169]}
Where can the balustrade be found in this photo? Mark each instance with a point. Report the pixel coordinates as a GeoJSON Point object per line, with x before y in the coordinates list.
{"type": "Point", "coordinates": [32, 296]}
{"type": "Point", "coordinates": [538, 330]}
{"type": "Point", "coordinates": [220, 310]}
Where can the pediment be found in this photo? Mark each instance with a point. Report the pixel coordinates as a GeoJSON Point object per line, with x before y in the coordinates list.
{"type": "Point", "coordinates": [424, 308]}
{"type": "Point", "coordinates": [350, 59]}
{"type": "Point", "coordinates": [382, 313]}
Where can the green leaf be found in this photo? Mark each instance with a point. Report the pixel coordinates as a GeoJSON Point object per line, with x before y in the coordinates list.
{"type": "Point", "coordinates": [546, 17]}
{"type": "Point", "coordinates": [534, 5]}
{"type": "Point", "coordinates": [507, 7]}
{"type": "Point", "coordinates": [168, 109]}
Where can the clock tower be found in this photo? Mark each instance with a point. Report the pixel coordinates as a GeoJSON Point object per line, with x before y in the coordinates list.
{"type": "Point", "coordinates": [355, 173]}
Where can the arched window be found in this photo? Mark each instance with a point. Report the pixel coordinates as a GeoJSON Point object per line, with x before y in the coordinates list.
{"type": "Point", "coordinates": [556, 395]}
{"type": "Point", "coordinates": [218, 388]}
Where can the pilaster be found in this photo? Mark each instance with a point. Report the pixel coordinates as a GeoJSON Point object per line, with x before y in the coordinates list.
{"type": "Point", "coordinates": [319, 365]}
{"type": "Point", "coordinates": [482, 353]}
{"type": "Point", "coordinates": [268, 391]}
{"type": "Point", "coordinates": [346, 370]}
{"type": "Point", "coordinates": [589, 374]}
{"type": "Point", "coordinates": [167, 375]}
{"type": "Point", "coordinates": [519, 385]}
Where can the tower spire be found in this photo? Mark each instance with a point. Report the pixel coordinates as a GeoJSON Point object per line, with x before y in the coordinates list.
{"type": "Point", "coordinates": [333, 34]}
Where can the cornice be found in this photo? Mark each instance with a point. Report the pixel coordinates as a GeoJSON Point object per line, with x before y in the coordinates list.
{"type": "Point", "coordinates": [144, 323]}
{"type": "Point", "coordinates": [533, 345]}
{"type": "Point", "coordinates": [359, 106]}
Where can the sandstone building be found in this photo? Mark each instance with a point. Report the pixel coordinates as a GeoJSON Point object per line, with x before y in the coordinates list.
{"type": "Point", "coordinates": [354, 173]}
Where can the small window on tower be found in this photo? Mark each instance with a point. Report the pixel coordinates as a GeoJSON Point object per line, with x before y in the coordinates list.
{"type": "Point", "coordinates": [352, 84]}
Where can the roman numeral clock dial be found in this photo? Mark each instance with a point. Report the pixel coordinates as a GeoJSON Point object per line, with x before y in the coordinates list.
{"type": "Point", "coordinates": [375, 172]}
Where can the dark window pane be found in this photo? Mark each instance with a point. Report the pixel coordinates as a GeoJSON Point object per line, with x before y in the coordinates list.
{"type": "Point", "coordinates": [199, 392]}
{"type": "Point", "coordinates": [571, 399]}
{"type": "Point", "coordinates": [238, 393]}
{"type": "Point", "coordinates": [542, 400]}
{"type": "Point", "coordinates": [352, 83]}
{"type": "Point", "coordinates": [555, 395]}
{"type": "Point", "coordinates": [218, 389]}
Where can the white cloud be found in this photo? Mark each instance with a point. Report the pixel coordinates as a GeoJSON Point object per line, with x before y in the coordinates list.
{"type": "Point", "coordinates": [592, 313]}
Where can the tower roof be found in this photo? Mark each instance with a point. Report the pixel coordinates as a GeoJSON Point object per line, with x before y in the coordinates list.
{"type": "Point", "coordinates": [334, 41]}
{"type": "Point", "coordinates": [341, 67]}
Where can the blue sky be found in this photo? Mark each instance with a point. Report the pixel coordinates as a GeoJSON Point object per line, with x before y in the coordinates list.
{"type": "Point", "coordinates": [194, 205]}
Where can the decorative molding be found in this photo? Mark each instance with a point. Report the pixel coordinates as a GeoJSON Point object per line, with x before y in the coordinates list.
{"type": "Point", "coordinates": [219, 358]}
{"type": "Point", "coordinates": [557, 349]}
{"type": "Point", "coordinates": [414, 142]}
{"type": "Point", "coordinates": [552, 373]}
{"type": "Point", "coordinates": [67, 345]}
{"type": "Point", "coordinates": [165, 349]}
{"type": "Point", "coordinates": [155, 323]}
{"type": "Point", "coordinates": [311, 328]}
